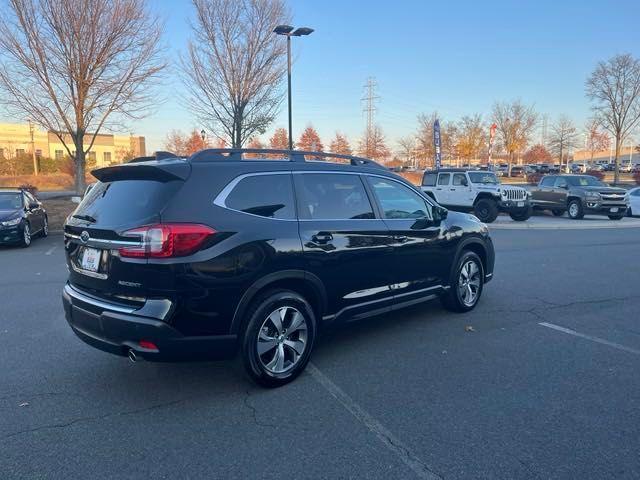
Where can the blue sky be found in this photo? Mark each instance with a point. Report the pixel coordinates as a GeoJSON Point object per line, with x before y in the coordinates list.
{"type": "Point", "coordinates": [455, 57]}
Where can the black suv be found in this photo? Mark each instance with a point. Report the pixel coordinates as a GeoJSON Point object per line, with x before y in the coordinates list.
{"type": "Point", "coordinates": [22, 217]}
{"type": "Point", "coordinates": [196, 258]}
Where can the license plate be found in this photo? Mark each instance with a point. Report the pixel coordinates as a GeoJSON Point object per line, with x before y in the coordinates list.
{"type": "Point", "coordinates": [521, 204]}
{"type": "Point", "coordinates": [614, 210]}
{"type": "Point", "coordinates": [90, 259]}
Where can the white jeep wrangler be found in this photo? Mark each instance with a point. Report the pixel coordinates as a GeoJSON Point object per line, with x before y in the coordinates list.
{"type": "Point", "coordinates": [476, 191]}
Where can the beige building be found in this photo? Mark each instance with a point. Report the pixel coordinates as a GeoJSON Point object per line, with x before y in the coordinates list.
{"type": "Point", "coordinates": [20, 139]}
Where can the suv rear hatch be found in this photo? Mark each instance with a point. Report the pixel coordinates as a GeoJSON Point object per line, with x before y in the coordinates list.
{"type": "Point", "coordinates": [126, 197]}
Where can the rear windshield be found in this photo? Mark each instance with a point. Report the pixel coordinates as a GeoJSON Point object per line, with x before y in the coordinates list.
{"type": "Point", "coordinates": [126, 201]}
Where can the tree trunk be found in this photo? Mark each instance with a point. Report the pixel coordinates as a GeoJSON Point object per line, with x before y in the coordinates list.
{"type": "Point", "coordinates": [80, 183]}
{"type": "Point", "coordinates": [616, 169]}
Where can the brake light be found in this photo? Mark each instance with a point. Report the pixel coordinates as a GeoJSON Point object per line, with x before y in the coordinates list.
{"type": "Point", "coordinates": [167, 240]}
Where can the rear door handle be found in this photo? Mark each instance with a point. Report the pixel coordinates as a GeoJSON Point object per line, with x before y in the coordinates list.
{"type": "Point", "coordinates": [322, 238]}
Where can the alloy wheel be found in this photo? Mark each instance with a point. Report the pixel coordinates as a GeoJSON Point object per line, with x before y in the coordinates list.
{"type": "Point", "coordinates": [282, 340]}
{"type": "Point", "coordinates": [573, 210]}
{"type": "Point", "coordinates": [26, 234]}
{"type": "Point", "coordinates": [469, 283]}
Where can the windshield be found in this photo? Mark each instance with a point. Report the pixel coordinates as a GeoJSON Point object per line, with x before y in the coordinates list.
{"type": "Point", "coordinates": [10, 201]}
{"type": "Point", "coordinates": [483, 177]}
{"type": "Point", "coordinates": [585, 181]}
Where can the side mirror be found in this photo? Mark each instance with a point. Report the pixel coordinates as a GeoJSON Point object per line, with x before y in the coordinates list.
{"type": "Point", "coordinates": [465, 183]}
{"type": "Point", "coordinates": [33, 205]}
{"type": "Point", "coordinates": [439, 213]}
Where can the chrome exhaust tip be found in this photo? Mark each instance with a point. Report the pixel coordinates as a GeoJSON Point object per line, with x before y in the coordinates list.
{"type": "Point", "coordinates": [132, 356]}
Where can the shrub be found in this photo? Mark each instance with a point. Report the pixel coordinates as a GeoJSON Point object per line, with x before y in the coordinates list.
{"type": "Point", "coordinates": [596, 173]}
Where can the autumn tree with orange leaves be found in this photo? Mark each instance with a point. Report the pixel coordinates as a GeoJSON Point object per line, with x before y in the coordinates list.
{"type": "Point", "coordinates": [340, 145]}
{"type": "Point", "coordinates": [280, 140]}
{"type": "Point", "coordinates": [310, 140]}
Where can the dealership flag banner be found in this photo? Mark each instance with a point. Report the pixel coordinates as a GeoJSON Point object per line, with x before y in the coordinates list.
{"type": "Point", "coordinates": [436, 143]}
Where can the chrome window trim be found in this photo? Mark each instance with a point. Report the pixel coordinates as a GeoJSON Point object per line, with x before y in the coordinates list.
{"type": "Point", "coordinates": [82, 271]}
{"type": "Point", "coordinates": [100, 242]}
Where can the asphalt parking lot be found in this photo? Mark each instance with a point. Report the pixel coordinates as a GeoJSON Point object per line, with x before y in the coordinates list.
{"type": "Point", "coordinates": [540, 381]}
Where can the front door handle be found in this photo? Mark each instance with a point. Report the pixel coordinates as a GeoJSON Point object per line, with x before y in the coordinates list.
{"type": "Point", "coordinates": [400, 238]}
{"type": "Point", "coordinates": [322, 238]}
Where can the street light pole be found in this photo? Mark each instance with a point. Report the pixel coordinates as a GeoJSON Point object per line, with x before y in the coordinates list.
{"type": "Point", "coordinates": [288, 31]}
{"type": "Point", "coordinates": [289, 90]}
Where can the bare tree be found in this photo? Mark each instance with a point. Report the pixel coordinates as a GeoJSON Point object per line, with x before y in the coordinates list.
{"type": "Point", "coordinates": [614, 89]}
{"type": "Point", "coordinates": [340, 145]}
{"type": "Point", "coordinates": [424, 138]}
{"type": "Point", "coordinates": [596, 139]}
{"type": "Point", "coordinates": [235, 66]}
{"type": "Point", "coordinates": [471, 136]}
{"type": "Point", "coordinates": [564, 136]}
{"type": "Point", "coordinates": [516, 123]}
{"type": "Point", "coordinates": [407, 146]}
{"type": "Point", "coordinates": [79, 66]}
{"type": "Point", "coordinates": [373, 145]}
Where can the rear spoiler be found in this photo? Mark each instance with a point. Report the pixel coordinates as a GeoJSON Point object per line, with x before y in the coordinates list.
{"type": "Point", "coordinates": [159, 171]}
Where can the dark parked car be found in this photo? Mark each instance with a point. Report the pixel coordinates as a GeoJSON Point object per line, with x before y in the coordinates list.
{"type": "Point", "coordinates": [517, 171]}
{"type": "Point", "coordinates": [22, 217]}
{"type": "Point", "coordinates": [579, 195]}
{"type": "Point", "coordinates": [197, 258]}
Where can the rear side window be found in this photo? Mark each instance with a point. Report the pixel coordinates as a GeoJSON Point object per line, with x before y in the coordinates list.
{"type": "Point", "coordinates": [429, 179]}
{"type": "Point", "coordinates": [126, 201]}
{"type": "Point", "coordinates": [443, 179]}
{"type": "Point", "coordinates": [332, 196]}
{"type": "Point", "coordinates": [268, 196]}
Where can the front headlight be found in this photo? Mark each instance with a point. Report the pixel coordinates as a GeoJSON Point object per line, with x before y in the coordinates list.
{"type": "Point", "coordinates": [12, 222]}
{"type": "Point", "coordinates": [592, 195]}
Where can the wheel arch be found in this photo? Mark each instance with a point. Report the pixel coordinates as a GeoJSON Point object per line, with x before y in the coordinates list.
{"type": "Point", "coordinates": [484, 196]}
{"type": "Point", "coordinates": [304, 283]}
{"type": "Point", "coordinates": [475, 245]}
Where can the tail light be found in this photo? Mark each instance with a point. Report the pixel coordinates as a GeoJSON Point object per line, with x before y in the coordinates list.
{"type": "Point", "coordinates": [167, 240]}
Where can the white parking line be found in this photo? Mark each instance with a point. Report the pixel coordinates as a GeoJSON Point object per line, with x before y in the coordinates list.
{"type": "Point", "coordinates": [50, 251]}
{"type": "Point", "coordinates": [589, 337]}
{"type": "Point", "coordinates": [385, 436]}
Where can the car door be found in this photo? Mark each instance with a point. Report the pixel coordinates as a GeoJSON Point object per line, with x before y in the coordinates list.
{"type": "Point", "coordinates": [543, 195]}
{"type": "Point", "coordinates": [421, 263]}
{"type": "Point", "coordinates": [34, 213]}
{"type": "Point", "coordinates": [344, 243]}
{"type": "Point", "coordinates": [460, 193]}
{"type": "Point", "coordinates": [442, 189]}
{"type": "Point", "coordinates": [559, 193]}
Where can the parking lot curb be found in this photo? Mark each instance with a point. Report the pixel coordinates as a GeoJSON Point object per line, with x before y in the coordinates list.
{"type": "Point", "coordinates": [559, 227]}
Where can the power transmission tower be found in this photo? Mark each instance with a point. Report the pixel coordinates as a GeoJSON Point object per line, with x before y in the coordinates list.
{"type": "Point", "coordinates": [369, 99]}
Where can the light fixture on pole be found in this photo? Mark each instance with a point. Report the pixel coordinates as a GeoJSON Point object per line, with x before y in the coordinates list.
{"type": "Point", "coordinates": [203, 134]}
{"type": "Point", "coordinates": [288, 31]}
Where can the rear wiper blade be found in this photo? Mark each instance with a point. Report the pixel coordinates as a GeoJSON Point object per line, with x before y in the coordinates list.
{"type": "Point", "coordinates": [88, 218]}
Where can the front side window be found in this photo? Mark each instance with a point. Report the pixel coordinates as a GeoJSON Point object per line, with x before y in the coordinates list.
{"type": "Point", "coordinates": [332, 196]}
{"type": "Point", "coordinates": [398, 201]}
{"type": "Point", "coordinates": [459, 180]}
{"type": "Point", "coordinates": [268, 196]}
{"type": "Point", "coordinates": [548, 181]}
{"type": "Point", "coordinates": [443, 179]}
{"type": "Point", "coordinates": [560, 182]}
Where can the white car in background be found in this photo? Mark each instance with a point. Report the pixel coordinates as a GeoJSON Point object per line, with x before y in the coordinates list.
{"type": "Point", "coordinates": [634, 202]}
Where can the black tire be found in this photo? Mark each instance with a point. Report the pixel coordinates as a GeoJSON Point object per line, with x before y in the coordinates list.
{"type": "Point", "coordinates": [557, 213]}
{"type": "Point", "coordinates": [486, 210]}
{"type": "Point", "coordinates": [259, 330]}
{"type": "Point", "coordinates": [521, 215]}
{"type": "Point", "coordinates": [453, 299]}
{"type": "Point", "coordinates": [25, 241]}
{"type": "Point", "coordinates": [45, 228]}
{"type": "Point", "coordinates": [574, 209]}
{"type": "Point", "coordinates": [615, 217]}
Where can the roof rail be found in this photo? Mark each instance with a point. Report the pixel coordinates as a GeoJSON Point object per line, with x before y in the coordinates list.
{"type": "Point", "coordinates": [237, 154]}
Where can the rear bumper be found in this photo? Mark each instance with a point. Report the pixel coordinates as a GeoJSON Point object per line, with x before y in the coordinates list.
{"type": "Point", "coordinates": [117, 329]}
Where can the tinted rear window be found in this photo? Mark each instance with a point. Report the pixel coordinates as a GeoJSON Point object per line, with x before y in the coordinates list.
{"type": "Point", "coordinates": [332, 197]}
{"type": "Point", "coordinates": [126, 201]}
{"type": "Point", "coordinates": [264, 195]}
{"type": "Point", "coordinates": [429, 179]}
